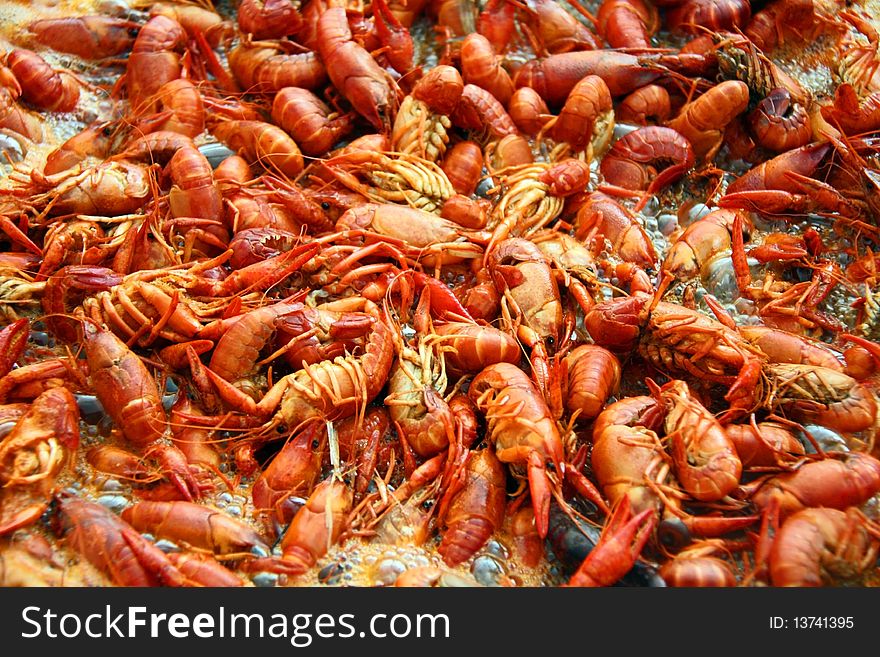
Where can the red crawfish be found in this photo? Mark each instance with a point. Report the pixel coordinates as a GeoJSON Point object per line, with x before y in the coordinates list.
{"type": "Point", "coordinates": [128, 393]}
{"type": "Point", "coordinates": [33, 454]}
{"type": "Point", "coordinates": [706, 462]}
{"type": "Point", "coordinates": [837, 482]}
{"type": "Point", "coordinates": [525, 435]}
{"type": "Point", "coordinates": [622, 540]}
{"type": "Point", "coordinates": [476, 509]}
{"type": "Point", "coordinates": [820, 547]}
{"type": "Point", "coordinates": [196, 526]}
{"type": "Point", "coordinates": [114, 547]}
{"type": "Point", "coordinates": [314, 529]}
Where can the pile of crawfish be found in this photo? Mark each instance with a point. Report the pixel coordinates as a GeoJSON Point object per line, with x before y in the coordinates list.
{"type": "Point", "coordinates": [548, 294]}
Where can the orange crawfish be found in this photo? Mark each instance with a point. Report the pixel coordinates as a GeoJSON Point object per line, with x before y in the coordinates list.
{"type": "Point", "coordinates": [525, 435]}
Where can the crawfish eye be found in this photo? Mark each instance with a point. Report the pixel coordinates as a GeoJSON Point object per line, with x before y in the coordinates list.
{"type": "Point", "coordinates": [325, 205]}
{"type": "Point", "coordinates": [673, 533]}
{"type": "Point", "coordinates": [315, 444]}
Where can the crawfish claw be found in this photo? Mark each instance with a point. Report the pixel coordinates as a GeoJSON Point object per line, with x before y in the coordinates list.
{"type": "Point", "coordinates": [618, 548]}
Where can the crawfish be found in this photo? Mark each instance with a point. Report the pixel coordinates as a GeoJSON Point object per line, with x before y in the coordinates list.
{"type": "Point", "coordinates": [155, 60]}
{"type": "Point", "coordinates": [555, 76]}
{"type": "Point", "coordinates": [593, 376]}
{"type": "Point", "coordinates": [700, 244]}
{"type": "Point", "coordinates": [677, 338]}
{"type": "Point", "coordinates": [779, 124]}
{"type": "Point", "coordinates": [822, 395]}
{"type": "Point", "coordinates": [95, 140]}
{"type": "Point", "coordinates": [627, 456]}
{"type": "Point", "coordinates": [311, 123]}
{"type": "Point", "coordinates": [195, 193]}
{"type": "Point", "coordinates": [41, 86]}
{"type": "Point", "coordinates": [479, 111]}
{"type": "Point", "coordinates": [366, 444]}
{"type": "Point", "coordinates": [524, 434]}
{"type": "Point", "coordinates": [316, 527]}
{"type": "Point", "coordinates": [470, 347]}
{"type": "Point", "coordinates": [422, 124]}
{"type": "Point", "coordinates": [529, 289]}
{"type": "Point", "coordinates": [18, 119]}
{"type": "Point", "coordinates": [697, 566]}
{"type": "Point", "coordinates": [463, 166]}
{"type": "Point", "coordinates": [556, 30]}
{"type": "Point", "coordinates": [204, 570]}
{"type": "Point", "coordinates": [780, 19]}
{"type": "Point", "coordinates": [837, 483]}
{"type": "Point", "coordinates": [266, 68]}
{"type": "Point", "coordinates": [528, 111]}
{"type": "Point", "coordinates": [131, 307]}
{"type": "Point", "coordinates": [427, 237]}
{"type": "Point", "coordinates": [627, 23]}
{"type": "Point", "coordinates": [292, 472]}
{"type": "Point", "coordinates": [107, 189]}
{"type": "Point", "coordinates": [238, 349]}
{"type": "Point", "coordinates": [705, 458]}
{"type": "Point", "coordinates": [623, 538]}
{"type": "Point", "coordinates": [339, 387]}
{"type": "Point", "coordinates": [128, 393]}
{"type": "Point", "coordinates": [650, 103]}
{"type": "Point", "coordinates": [480, 65]}
{"type": "Point", "coordinates": [89, 37]}
{"type": "Point", "coordinates": [33, 454]}
{"type": "Point", "coordinates": [476, 510]}
{"type": "Point", "coordinates": [604, 219]}
{"type": "Point", "coordinates": [416, 405]}
{"type": "Point", "coordinates": [586, 118]}
{"type": "Point", "coordinates": [649, 159]}
{"type": "Point", "coordinates": [764, 444]}
{"type": "Point", "coordinates": [407, 179]}
{"type": "Point", "coordinates": [262, 143]}
{"type": "Point", "coordinates": [197, 526]}
{"type": "Point", "coordinates": [114, 547]}
{"type": "Point", "coordinates": [815, 547]}
{"type": "Point", "coordinates": [702, 121]}
{"type": "Point", "coordinates": [271, 19]}
{"type": "Point", "coordinates": [354, 72]}
{"type": "Point", "coordinates": [691, 16]}
{"type": "Point", "coordinates": [534, 196]}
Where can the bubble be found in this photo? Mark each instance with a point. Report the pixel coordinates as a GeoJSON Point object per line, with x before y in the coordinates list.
{"type": "Point", "coordinates": [720, 278]}
{"type": "Point", "coordinates": [483, 187]}
{"type": "Point", "coordinates": [89, 405]}
{"type": "Point", "coordinates": [487, 570]}
{"type": "Point", "coordinates": [167, 546]}
{"type": "Point", "coordinates": [497, 549]}
{"type": "Point", "coordinates": [829, 441]}
{"type": "Point", "coordinates": [652, 207]}
{"type": "Point", "coordinates": [389, 570]}
{"type": "Point", "coordinates": [667, 224]}
{"type": "Point", "coordinates": [6, 427]}
{"type": "Point", "coordinates": [114, 503]}
{"type": "Point", "coordinates": [265, 580]}
{"type": "Point", "coordinates": [330, 574]}
{"type": "Point", "coordinates": [698, 211]}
